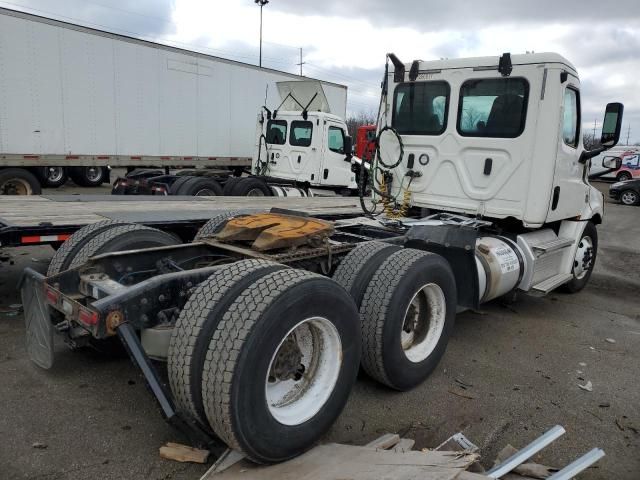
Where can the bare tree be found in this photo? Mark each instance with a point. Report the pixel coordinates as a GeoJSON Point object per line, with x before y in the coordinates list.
{"type": "Point", "coordinates": [589, 140]}
{"type": "Point", "coordinates": [359, 119]}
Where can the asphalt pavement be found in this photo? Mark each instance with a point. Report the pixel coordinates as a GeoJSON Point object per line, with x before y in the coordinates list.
{"type": "Point", "coordinates": [512, 370]}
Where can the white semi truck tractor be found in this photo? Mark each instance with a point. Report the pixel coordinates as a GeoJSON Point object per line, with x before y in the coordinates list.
{"type": "Point", "coordinates": [479, 188]}
{"type": "Point", "coordinates": [302, 148]}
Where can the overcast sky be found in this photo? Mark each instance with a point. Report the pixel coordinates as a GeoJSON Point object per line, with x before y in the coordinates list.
{"type": "Point", "coordinates": [346, 41]}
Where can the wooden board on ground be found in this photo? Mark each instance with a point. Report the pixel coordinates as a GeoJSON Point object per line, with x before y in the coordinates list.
{"type": "Point", "coordinates": [183, 453]}
{"type": "Point", "coordinates": [339, 462]}
{"type": "Point", "coordinates": [86, 209]}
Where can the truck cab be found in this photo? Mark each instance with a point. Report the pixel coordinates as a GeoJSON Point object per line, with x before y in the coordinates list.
{"type": "Point", "coordinates": [492, 137]}
{"type": "Point", "coordinates": [302, 142]}
{"type": "Point", "coordinates": [312, 150]}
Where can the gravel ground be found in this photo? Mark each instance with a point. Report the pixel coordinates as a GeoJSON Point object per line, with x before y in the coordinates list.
{"type": "Point", "coordinates": [511, 371]}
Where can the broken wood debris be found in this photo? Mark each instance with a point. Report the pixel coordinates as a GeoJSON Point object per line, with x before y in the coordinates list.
{"type": "Point", "coordinates": [183, 453]}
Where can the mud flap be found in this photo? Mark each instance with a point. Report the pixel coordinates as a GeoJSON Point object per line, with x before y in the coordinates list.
{"type": "Point", "coordinates": [36, 315]}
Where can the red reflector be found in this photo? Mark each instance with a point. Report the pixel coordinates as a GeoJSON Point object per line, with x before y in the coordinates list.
{"type": "Point", "coordinates": [87, 317]}
{"type": "Point", "coordinates": [52, 295]}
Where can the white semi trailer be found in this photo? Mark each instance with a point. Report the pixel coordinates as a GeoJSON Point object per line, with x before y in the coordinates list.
{"type": "Point", "coordinates": [264, 319]}
{"type": "Point", "coordinates": [74, 100]}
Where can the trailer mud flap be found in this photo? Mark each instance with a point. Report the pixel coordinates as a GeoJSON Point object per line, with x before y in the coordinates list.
{"type": "Point", "coordinates": [36, 315]}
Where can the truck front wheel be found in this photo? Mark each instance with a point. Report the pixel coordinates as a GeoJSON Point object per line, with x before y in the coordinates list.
{"type": "Point", "coordinates": [408, 311]}
{"type": "Point", "coordinates": [281, 364]}
{"type": "Point", "coordinates": [584, 260]}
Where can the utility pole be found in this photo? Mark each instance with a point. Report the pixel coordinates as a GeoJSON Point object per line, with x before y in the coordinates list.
{"type": "Point", "coordinates": [301, 62]}
{"type": "Point", "coordinates": [628, 133]}
{"type": "Point", "coordinates": [261, 3]}
{"type": "Point", "coordinates": [594, 130]}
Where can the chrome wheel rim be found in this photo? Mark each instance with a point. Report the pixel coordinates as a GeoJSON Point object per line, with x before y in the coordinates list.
{"type": "Point", "coordinates": [55, 174]}
{"type": "Point", "coordinates": [303, 371]}
{"type": "Point", "coordinates": [94, 174]}
{"type": "Point", "coordinates": [423, 322]}
{"type": "Point", "coordinates": [583, 261]}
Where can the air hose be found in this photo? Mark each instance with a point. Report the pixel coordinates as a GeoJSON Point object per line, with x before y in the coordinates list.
{"type": "Point", "coordinates": [377, 180]}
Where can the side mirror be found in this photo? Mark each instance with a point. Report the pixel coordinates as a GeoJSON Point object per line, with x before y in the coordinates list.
{"type": "Point", "coordinates": [613, 163]}
{"type": "Point", "coordinates": [348, 147]}
{"type": "Point", "coordinates": [611, 125]}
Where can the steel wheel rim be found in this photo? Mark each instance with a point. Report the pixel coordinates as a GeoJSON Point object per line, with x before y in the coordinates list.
{"type": "Point", "coordinates": [583, 261]}
{"type": "Point", "coordinates": [55, 174]}
{"type": "Point", "coordinates": [15, 186]}
{"type": "Point", "coordinates": [255, 192]}
{"type": "Point", "coordinates": [294, 401]}
{"type": "Point", "coordinates": [629, 197]}
{"type": "Point", "coordinates": [205, 192]}
{"type": "Point", "coordinates": [423, 322]}
{"type": "Point", "coordinates": [94, 174]}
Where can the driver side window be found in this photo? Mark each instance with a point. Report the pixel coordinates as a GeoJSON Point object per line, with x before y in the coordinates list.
{"type": "Point", "coordinates": [336, 140]}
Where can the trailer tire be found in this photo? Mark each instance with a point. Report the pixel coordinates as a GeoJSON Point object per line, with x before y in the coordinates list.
{"type": "Point", "coordinates": [215, 224]}
{"type": "Point", "coordinates": [274, 424]}
{"type": "Point", "coordinates": [229, 185]}
{"type": "Point", "coordinates": [52, 177]}
{"type": "Point", "coordinates": [200, 186]}
{"type": "Point", "coordinates": [252, 187]}
{"type": "Point", "coordinates": [356, 269]}
{"type": "Point", "coordinates": [121, 238]}
{"type": "Point", "coordinates": [18, 181]}
{"type": "Point", "coordinates": [175, 186]}
{"type": "Point", "coordinates": [405, 330]}
{"type": "Point", "coordinates": [92, 176]}
{"type": "Point", "coordinates": [198, 320]}
{"type": "Point", "coordinates": [587, 249]}
{"type": "Point", "coordinates": [64, 255]}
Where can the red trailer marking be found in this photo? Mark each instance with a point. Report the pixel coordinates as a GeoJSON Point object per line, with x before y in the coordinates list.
{"type": "Point", "coordinates": [45, 238]}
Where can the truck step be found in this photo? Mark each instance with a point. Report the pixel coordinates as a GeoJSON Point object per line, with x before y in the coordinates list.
{"type": "Point", "coordinates": [553, 245]}
{"type": "Point", "coordinates": [549, 284]}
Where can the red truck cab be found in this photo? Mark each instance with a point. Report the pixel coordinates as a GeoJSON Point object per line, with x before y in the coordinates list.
{"type": "Point", "coordinates": [365, 142]}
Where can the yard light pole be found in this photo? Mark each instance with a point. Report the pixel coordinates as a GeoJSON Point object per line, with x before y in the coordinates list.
{"type": "Point", "coordinates": [262, 3]}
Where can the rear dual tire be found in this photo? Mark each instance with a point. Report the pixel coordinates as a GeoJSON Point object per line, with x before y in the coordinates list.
{"type": "Point", "coordinates": [261, 391]}
{"type": "Point", "coordinates": [407, 304]}
{"type": "Point", "coordinates": [52, 177]}
{"type": "Point", "coordinates": [18, 181]}
{"type": "Point", "coordinates": [92, 176]}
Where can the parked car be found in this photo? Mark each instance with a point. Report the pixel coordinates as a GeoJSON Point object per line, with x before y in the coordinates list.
{"type": "Point", "coordinates": [627, 192]}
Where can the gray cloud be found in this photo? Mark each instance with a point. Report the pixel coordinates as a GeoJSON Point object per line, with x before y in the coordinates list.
{"type": "Point", "coordinates": [460, 14]}
{"type": "Point", "coordinates": [143, 18]}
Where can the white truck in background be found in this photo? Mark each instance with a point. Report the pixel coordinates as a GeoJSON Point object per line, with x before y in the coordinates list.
{"type": "Point", "coordinates": [75, 101]}
{"type": "Point", "coordinates": [302, 148]}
